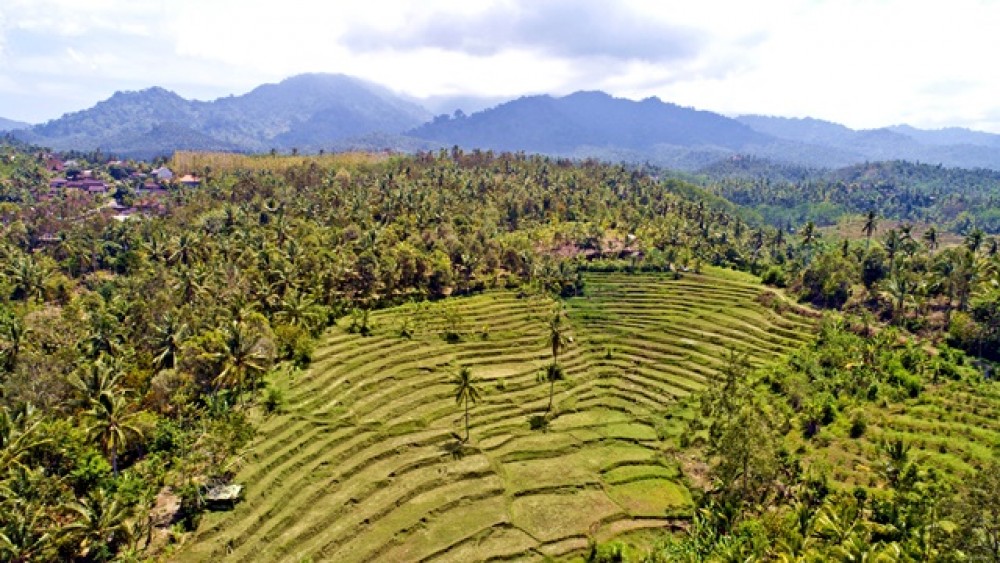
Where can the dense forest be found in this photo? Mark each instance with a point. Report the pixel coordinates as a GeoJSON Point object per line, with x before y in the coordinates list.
{"type": "Point", "coordinates": [954, 199]}
{"type": "Point", "coordinates": [134, 352]}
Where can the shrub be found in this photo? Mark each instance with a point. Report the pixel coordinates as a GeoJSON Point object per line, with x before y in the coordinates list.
{"type": "Point", "coordinates": [538, 422]}
{"type": "Point", "coordinates": [775, 276]}
{"type": "Point", "coordinates": [274, 399]}
{"type": "Point", "coordinates": [858, 425]}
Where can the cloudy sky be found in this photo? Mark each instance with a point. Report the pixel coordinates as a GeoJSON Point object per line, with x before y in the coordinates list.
{"type": "Point", "coordinates": [862, 63]}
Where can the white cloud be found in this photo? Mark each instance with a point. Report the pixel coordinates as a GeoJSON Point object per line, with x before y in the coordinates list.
{"type": "Point", "coordinates": [862, 63]}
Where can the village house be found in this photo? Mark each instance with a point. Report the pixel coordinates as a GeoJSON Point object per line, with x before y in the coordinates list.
{"type": "Point", "coordinates": [162, 174]}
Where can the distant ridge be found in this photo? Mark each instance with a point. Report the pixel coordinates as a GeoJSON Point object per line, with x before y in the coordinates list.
{"type": "Point", "coordinates": [11, 125]}
{"type": "Point", "coordinates": [312, 112]}
{"type": "Point", "coordinates": [306, 112]}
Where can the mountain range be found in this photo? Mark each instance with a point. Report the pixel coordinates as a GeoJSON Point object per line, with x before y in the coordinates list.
{"type": "Point", "coordinates": [314, 112]}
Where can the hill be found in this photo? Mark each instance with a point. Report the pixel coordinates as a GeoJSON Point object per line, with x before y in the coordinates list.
{"type": "Point", "coordinates": [11, 125]}
{"type": "Point", "coordinates": [307, 112]}
{"type": "Point", "coordinates": [951, 147]}
{"type": "Point", "coordinates": [359, 465]}
{"type": "Point", "coordinates": [595, 119]}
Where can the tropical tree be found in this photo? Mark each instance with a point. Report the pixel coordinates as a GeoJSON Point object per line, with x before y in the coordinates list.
{"type": "Point", "coordinates": [100, 527]}
{"type": "Point", "coordinates": [466, 391]}
{"type": "Point", "coordinates": [870, 226]}
{"type": "Point", "coordinates": [169, 335]}
{"type": "Point", "coordinates": [557, 335]}
{"type": "Point", "coordinates": [552, 373]}
{"type": "Point", "coordinates": [247, 355]}
{"type": "Point", "coordinates": [930, 238]}
{"type": "Point", "coordinates": [112, 424]}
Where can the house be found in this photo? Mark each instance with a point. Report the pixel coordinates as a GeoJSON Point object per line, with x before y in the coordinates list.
{"type": "Point", "coordinates": [56, 183]}
{"type": "Point", "coordinates": [162, 174]}
{"type": "Point", "coordinates": [54, 164]}
{"type": "Point", "coordinates": [190, 181]}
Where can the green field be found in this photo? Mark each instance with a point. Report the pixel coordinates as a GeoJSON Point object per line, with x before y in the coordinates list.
{"type": "Point", "coordinates": [358, 467]}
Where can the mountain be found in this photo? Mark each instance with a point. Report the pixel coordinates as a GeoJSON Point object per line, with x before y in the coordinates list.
{"type": "Point", "coordinates": [589, 119]}
{"type": "Point", "coordinates": [949, 136]}
{"type": "Point", "coordinates": [950, 147]}
{"type": "Point", "coordinates": [11, 125]}
{"type": "Point", "coordinates": [308, 112]}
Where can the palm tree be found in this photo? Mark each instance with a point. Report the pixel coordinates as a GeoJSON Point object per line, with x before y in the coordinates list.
{"type": "Point", "coordinates": [100, 521]}
{"type": "Point", "coordinates": [871, 225]}
{"type": "Point", "coordinates": [974, 239]}
{"type": "Point", "coordinates": [557, 336]}
{"type": "Point", "coordinates": [809, 238]}
{"type": "Point", "coordinates": [111, 424]}
{"type": "Point", "coordinates": [19, 433]}
{"type": "Point", "coordinates": [893, 244]}
{"type": "Point", "coordinates": [900, 287]}
{"type": "Point", "coordinates": [169, 335]}
{"type": "Point", "coordinates": [12, 335]}
{"type": "Point", "coordinates": [465, 391]}
{"type": "Point", "coordinates": [245, 357]}
{"type": "Point", "coordinates": [553, 372]}
{"type": "Point", "coordinates": [26, 278]}
{"type": "Point", "coordinates": [95, 378]}
{"type": "Point", "coordinates": [930, 237]}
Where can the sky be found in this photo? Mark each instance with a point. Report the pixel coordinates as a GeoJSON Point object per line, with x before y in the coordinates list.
{"type": "Point", "coordinates": [865, 64]}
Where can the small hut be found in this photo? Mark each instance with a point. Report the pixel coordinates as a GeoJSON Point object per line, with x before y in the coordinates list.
{"type": "Point", "coordinates": [223, 497]}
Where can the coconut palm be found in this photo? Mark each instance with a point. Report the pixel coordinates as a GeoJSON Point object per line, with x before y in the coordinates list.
{"type": "Point", "coordinates": [557, 335]}
{"type": "Point", "coordinates": [111, 424]}
{"type": "Point", "coordinates": [19, 433]}
{"type": "Point", "coordinates": [930, 238]}
{"type": "Point", "coordinates": [100, 521]}
{"type": "Point", "coordinates": [246, 357]}
{"type": "Point", "coordinates": [974, 240]}
{"type": "Point", "coordinates": [870, 226]}
{"type": "Point", "coordinates": [169, 335]}
{"type": "Point", "coordinates": [553, 372]}
{"type": "Point", "coordinates": [466, 390]}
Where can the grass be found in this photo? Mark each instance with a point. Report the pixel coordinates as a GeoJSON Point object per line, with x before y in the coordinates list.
{"type": "Point", "coordinates": [357, 466]}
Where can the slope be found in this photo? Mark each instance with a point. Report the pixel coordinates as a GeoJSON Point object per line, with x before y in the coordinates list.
{"type": "Point", "coordinates": [362, 465]}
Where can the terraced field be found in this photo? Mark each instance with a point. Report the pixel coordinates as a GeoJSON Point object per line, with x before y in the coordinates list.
{"type": "Point", "coordinates": [952, 427]}
{"type": "Point", "coordinates": [361, 464]}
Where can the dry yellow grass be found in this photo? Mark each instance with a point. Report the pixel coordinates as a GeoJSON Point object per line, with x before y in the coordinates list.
{"type": "Point", "coordinates": [189, 161]}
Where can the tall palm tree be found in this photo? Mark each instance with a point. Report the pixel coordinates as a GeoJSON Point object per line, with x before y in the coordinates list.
{"type": "Point", "coordinates": [870, 226]}
{"type": "Point", "coordinates": [557, 335]}
{"type": "Point", "coordinates": [553, 372]}
{"type": "Point", "coordinates": [466, 390]}
{"type": "Point", "coordinates": [111, 424]}
{"type": "Point", "coordinates": [809, 238]}
{"type": "Point", "coordinates": [930, 238]}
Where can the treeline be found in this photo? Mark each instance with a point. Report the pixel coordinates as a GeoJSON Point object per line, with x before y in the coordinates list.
{"type": "Point", "coordinates": [954, 199]}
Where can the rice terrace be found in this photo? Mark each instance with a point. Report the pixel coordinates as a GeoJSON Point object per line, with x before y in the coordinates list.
{"type": "Point", "coordinates": [365, 463]}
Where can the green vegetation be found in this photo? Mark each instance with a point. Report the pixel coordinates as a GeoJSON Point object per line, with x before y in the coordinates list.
{"type": "Point", "coordinates": [296, 325]}
{"type": "Point", "coordinates": [956, 199]}
{"type": "Point", "coordinates": [363, 465]}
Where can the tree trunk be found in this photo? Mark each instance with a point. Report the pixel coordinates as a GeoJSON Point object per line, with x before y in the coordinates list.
{"type": "Point", "coordinates": [466, 419]}
{"type": "Point", "coordinates": [552, 391]}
